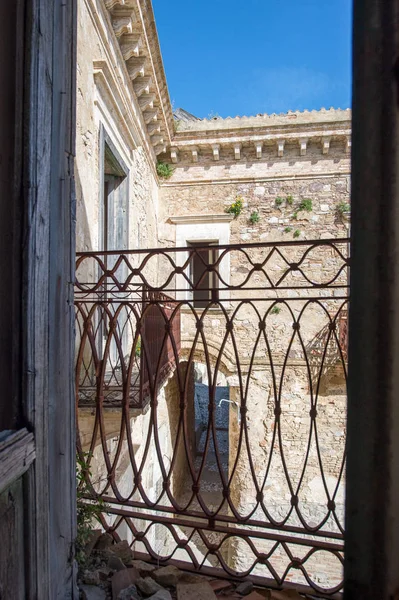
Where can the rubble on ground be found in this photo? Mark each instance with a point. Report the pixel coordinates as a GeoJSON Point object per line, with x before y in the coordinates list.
{"type": "Point", "coordinates": [112, 573]}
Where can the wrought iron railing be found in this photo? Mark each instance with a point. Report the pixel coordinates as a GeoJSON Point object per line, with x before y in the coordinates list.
{"type": "Point", "coordinates": [122, 348]}
{"type": "Point", "coordinates": [252, 484]}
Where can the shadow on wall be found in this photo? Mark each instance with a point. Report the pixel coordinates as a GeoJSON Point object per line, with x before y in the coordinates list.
{"type": "Point", "coordinates": [84, 242]}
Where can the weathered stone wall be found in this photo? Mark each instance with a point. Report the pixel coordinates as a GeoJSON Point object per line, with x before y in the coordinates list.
{"type": "Point", "coordinates": [274, 188]}
{"type": "Point", "coordinates": [102, 89]}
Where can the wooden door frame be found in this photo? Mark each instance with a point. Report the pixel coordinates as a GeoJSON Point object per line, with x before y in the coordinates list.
{"type": "Point", "coordinates": [48, 264]}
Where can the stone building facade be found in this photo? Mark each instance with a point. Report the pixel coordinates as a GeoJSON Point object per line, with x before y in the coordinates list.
{"type": "Point", "coordinates": [291, 177]}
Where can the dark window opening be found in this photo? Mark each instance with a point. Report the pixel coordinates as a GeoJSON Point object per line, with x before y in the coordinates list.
{"type": "Point", "coordinates": [205, 283]}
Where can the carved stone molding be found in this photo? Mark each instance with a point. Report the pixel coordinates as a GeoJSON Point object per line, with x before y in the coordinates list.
{"type": "Point", "coordinates": [132, 23]}
{"type": "Point", "coordinates": [303, 143]}
{"type": "Point", "coordinates": [325, 142]}
{"type": "Point", "coordinates": [174, 154]}
{"type": "Point", "coordinates": [237, 151]}
{"type": "Point", "coordinates": [216, 150]}
{"type": "Point", "coordinates": [280, 148]}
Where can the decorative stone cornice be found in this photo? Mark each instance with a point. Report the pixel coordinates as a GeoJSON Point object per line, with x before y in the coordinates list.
{"type": "Point", "coordinates": [173, 154]}
{"type": "Point", "coordinates": [134, 27]}
{"type": "Point", "coordinates": [237, 150]}
{"type": "Point", "coordinates": [258, 148]}
{"type": "Point", "coordinates": [216, 150]}
{"type": "Point", "coordinates": [190, 219]}
{"type": "Point", "coordinates": [326, 144]}
{"type": "Point", "coordinates": [348, 144]}
{"type": "Point", "coordinates": [303, 143]}
{"type": "Point", "coordinates": [267, 140]}
{"type": "Point", "coordinates": [194, 152]}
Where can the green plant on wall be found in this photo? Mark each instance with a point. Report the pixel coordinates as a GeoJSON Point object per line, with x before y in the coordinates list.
{"type": "Point", "coordinates": [137, 350]}
{"type": "Point", "coordinates": [236, 208]}
{"type": "Point", "coordinates": [88, 511]}
{"type": "Point", "coordinates": [289, 200]}
{"type": "Point", "coordinates": [164, 170]}
{"type": "Point", "coordinates": [343, 208]}
{"type": "Point", "coordinates": [297, 233]}
{"type": "Point", "coordinates": [306, 204]}
{"type": "Point", "coordinates": [279, 201]}
{"type": "Point", "coordinates": [287, 229]}
{"type": "Point", "coordinates": [254, 217]}
{"type": "Point", "coordinates": [276, 310]}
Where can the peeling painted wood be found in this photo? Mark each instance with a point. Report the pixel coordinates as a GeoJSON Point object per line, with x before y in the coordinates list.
{"type": "Point", "coordinates": [17, 452]}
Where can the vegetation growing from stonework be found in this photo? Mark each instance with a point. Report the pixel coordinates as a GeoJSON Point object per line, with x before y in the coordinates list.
{"type": "Point", "coordinates": [297, 233]}
{"type": "Point", "coordinates": [343, 208]}
{"type": "Point", "coordinates": [287, 229]}
{"type": "Point", "coordinates": [306, 204]}
{"type": "Point", "coordinates": [87, 510]}
{"type": "Point", "coordinates": [236, 208]}
{"type": "Point", "coordinates": [289, 200]}
{"type": "Point", "coordinates": [254, 217]}
{"type": "Point", "coordinates": [275, 310]}
{"type": "Point", "coordinates": [137, 350]}
{"type": "Point", "coordinates": [164, 170]}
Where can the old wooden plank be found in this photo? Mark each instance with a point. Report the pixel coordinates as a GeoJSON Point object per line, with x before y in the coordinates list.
{"type": "Point", "coordinates": [12, 577]}
{"type": "Point", "coordinates": [17, 452]}
{"type": "Point", "coordinates": [47, 286]}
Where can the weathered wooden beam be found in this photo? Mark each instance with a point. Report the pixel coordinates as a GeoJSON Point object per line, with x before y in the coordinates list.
{"type": "Point", "coordinates": [17, 453]}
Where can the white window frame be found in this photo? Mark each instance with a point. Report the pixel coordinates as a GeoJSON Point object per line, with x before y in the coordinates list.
{"type": "Point", "coordinates": [213, 229]}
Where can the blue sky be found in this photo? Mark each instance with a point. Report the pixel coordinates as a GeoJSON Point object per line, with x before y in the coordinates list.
{"type": "Point", "coordinates": [235, 57]}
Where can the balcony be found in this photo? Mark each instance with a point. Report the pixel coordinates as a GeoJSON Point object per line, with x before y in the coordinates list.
{"type": "Point", "coordinates": [215, 430]}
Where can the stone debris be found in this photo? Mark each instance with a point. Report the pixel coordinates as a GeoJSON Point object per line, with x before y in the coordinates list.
{"type": "Point", "coordinates": [123, 579]}
{"type": "Point", "coordinates": [104, 541]}
{"type": "Point", "coordinates": [129, 593]}
{"type": "Point", "coordinates": [245, 588]}
{"type": "Point", "coordinates": [148, 586]}
{"type": "Point", "coordinates": [167, 576]}
{"type": "Point", "coordinates": [219, 585]}
{"type": "Point", "coordinates": [91, 577]}
{"type": "Point", "coordinates": [195, 591]}
{"type": "Point", "coordinates": [106, 576]}
{"type": "Point", "coordinates": [161, 595]}
{"type": "Point", "coordinates": [256, 596]}
{"type": "Point", "coordinates": [123, 551]}
{"type": "Point", "coordinates": [143, 568]}
{"type": "Point", "coordinates": [115, 563]}
{"type": "Point", "coordinates": [104, 573]}
{"type": "Point", "coordinates": [94, 536]}
{"type": "Point", "coordinates": [92, 592]}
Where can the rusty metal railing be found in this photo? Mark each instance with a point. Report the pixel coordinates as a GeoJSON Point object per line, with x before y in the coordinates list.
{"type": "Point", "coordinates": [121, 346]}
{"type": "Point", "coordinates": [257, 488]}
